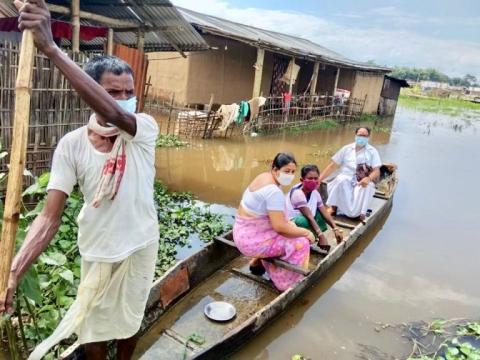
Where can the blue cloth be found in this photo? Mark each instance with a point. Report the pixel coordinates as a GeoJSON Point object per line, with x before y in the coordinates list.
{"type": "Point", "coordinates": [242, 112]}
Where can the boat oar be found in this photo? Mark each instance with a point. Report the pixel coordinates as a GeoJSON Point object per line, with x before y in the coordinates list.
{"type": "Point", "coordinates": [23, 88]}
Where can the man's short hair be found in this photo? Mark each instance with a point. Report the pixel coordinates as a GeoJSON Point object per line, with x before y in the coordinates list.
{"type": "Point", "coordinates": [100, 65]}
{"type": "Point", "coordinates": [363, 127]}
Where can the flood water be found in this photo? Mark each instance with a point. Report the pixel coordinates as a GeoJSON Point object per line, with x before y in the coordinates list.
{"type": "Point", "coordinates": [421, 264]}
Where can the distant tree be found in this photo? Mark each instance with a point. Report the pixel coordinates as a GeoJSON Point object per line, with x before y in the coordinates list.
{"type": "Point", "coordinates": [470, 79]}
{"type": "Point", "coordinates": [431, 74]}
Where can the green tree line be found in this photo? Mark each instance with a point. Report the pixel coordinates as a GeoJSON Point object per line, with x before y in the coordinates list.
{"type": "Point", "coordinates": [431, 74]}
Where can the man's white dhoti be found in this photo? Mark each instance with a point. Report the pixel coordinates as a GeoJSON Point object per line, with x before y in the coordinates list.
{"type": "Point", "coordinates": [110, 302]}
{"type": "Point", "coordinates": [350, 198]}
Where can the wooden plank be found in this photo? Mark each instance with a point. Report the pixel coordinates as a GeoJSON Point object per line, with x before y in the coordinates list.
{"type": "Point", "coordinates": [258, 279]}
{"type": "Point", "coordinates": [115, 23]}
{"type": "Point", "coordinates": [345, 225]}
{"type": "Point", "coordinates": [17, 157]}
{"type": "Point", "coordinates": [288, 266]}
{"type": "Point", "coordinates": [179, 338]}
{"type": "Point", "coordinates": [274, 261]}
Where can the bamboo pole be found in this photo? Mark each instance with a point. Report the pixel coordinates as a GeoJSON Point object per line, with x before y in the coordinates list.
{"type": "Point", "coordinates": [23, 88]}
{"type": "Point", "coordinates": [110, 41]}
{"type": "Point", "coordinates": [75, 17]}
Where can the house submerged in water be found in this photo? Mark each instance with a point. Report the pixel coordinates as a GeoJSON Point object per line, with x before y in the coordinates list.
{"type": "Point", "coordinates": [245, 61]}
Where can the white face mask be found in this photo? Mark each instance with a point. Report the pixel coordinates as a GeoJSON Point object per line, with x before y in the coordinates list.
{"type": "Point", "coordinates": [285, 179]}
{"type": "Point", "coordinates": [129, 105]}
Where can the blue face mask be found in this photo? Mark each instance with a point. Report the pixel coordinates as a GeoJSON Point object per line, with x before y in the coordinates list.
{"type": "Point", "coordinates": [361, 140]}
{"type": "Point", "coordinates": [129, 105]}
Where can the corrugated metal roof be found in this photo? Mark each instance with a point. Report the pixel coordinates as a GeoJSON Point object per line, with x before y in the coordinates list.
{"type": "Point", "coordinates": [401, 82]}
{"type": "Point", "coordinates": [274, 41]}
{"type": "Point", "coordinates": [166, 29]}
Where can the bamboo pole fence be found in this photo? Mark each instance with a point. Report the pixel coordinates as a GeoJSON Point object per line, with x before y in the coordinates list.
{"type": "Point", "coordinates": [56, 108]}
{"type": "Point", "coordinates": [276, 114]}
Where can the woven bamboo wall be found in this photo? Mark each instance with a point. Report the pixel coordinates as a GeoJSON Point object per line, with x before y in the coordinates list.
{"type": "Point", "coordinates": [55, 108]}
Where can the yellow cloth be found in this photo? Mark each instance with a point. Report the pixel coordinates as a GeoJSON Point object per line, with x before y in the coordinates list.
{"type": "Point", "coordinates": [110, 301]}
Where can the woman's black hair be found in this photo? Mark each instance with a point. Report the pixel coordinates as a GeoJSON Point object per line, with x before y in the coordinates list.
{"type": "Point", "coordinates": [307, 168]}
{"type": "Point", "coordinates": [104, 64]}
{"type": "Point", "coordinates": [363, 127]}
{"type": "Point", "coordinates": [283, 159]}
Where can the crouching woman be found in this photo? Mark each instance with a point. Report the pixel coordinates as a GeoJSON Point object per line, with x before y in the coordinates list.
{"type": "Point", "coordinates": [262, 229]}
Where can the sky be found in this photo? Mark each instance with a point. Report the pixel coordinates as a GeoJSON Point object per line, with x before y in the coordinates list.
{"type": "Point", "coordinates": [443, 34]}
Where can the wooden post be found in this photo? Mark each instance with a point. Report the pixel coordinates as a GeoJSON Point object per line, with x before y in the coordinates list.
{"type": "Point", "coordinates": [290, 87]}
{"type": "Point", "coordinates": [313, 86]}
{"type": "Point", "coordinates": [141, 40]}
{"type": "Point", "coordinates": [335, 87]}
{"type": "Point", "coordinates": [257, 82]}
{"type": "Point", "coordinates": [336, 81]}
{"type": "Point", "coordinates": [110, 42]}
{"type": "Point", "coordinates": [170, 114]}
{"type": "Point", "coordinates": [75, 19]}
{"type": "Point", "coordinates": [23, 88]}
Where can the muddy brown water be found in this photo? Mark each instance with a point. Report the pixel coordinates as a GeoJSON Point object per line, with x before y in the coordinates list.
{"type": "Point", "coordinates": [421, 264]}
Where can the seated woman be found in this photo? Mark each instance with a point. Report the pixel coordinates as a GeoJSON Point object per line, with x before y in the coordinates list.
{"type": "Point", "coordinates": [351, 192]}
{"type": "Point", "coordinates": [261, 229]}
{"type": "Point", "coordinates": [305, 207]}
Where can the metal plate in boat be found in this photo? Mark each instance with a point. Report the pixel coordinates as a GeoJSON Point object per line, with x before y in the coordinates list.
{"type": "Point", "coordinates": [220, 311]}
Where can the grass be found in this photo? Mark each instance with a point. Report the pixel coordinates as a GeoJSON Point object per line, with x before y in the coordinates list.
{"type": "Point", "coordinates": [315, 124]}
{"type": "Point", "coordinates": [446, 106]}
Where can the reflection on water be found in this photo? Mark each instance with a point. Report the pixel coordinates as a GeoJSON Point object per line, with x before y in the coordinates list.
{"type": "Point", "coordinates": [420, 264]}
{"type": "Point", "coordinates": [219, 170]}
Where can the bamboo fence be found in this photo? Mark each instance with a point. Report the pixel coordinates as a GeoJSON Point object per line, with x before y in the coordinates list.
{"type": "Point", "coordinates": [276, 114]}
{"type": "Point", "coordinates": [184, 121]}
{"type": "Point", "coordinates": [55, 107]}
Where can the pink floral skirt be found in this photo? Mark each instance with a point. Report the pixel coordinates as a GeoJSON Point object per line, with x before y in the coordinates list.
{"type": "Point", "coordinates": [256, 238]}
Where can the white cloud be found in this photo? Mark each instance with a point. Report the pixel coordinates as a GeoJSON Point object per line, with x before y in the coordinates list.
{"type": "Point", "coordinates": [387, 45]}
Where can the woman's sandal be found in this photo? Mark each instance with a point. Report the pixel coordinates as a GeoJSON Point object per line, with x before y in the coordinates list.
{"type": "Point", "coordinates": [325, 247]}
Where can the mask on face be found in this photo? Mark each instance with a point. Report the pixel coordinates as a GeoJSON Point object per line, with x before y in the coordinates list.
{"type": "Point", "coordinates": [361, 140]}
{"type": "Point", "coordinates": [285, 179]}
{"type": "Point", "coordinates": [129, 105]}
{"type": "Point", "coordinates": [310, 185]}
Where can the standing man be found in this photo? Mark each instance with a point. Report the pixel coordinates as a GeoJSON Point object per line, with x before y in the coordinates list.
{"type": "Point", "coordinates": [112, 160]}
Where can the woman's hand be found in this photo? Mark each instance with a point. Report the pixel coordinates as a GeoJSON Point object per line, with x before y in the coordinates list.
{"type": "Point", "coordinates": [34, 16]}
{"type": "Point", "coordinates": [364, 182]}
{"type": "Point", "coordinates": [338, 235]}
{"type": "Point", "coordinates": [310, 237]}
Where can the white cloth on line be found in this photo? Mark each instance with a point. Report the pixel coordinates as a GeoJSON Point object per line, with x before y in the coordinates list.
{"type": "Point", "coordinates": [110, 302]}
{"type": "Point", "coordinates": [344, 192]}
{"type": "Point", "coordinates": [229, 113]}
{"type": "Point", "coordinates": [119, 227]}
{"type": "Point", "coordinates": [255, 104]}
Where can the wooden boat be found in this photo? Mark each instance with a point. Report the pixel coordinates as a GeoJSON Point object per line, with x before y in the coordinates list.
{"type": "Point", "coordinates": [174, 317]}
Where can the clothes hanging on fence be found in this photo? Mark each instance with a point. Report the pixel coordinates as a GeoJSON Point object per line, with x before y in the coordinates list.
{"type": "Point", "coordinates": [255, 104]}
{"type": "Point", "coordinates": [229, 114]}
{"type": "Point", "coordinates": [286, 99]}
{"type": "Point", "coordinates": [243, 110]}
{"type": "Point", "coordinates": [290, 75]}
